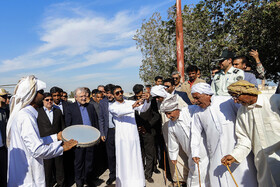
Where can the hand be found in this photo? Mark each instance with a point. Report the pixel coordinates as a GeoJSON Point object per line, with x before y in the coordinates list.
{"type": "Point", "coordinates": [174, 162]}
{"type": "Point", "coordinates": [59, 136]}
{"type": "Point", "coordinates": [138, 103]}
{"type": "Point", "coordinates": [196, 159]}
{"type": "Point", "coordinates": [69, 144]}
{"type": "Point", "coordinates": [146, 96]}
{"type": "Point", "coordinates": [228, 160]}
{"type": "Point", "coordinates": [103, 138]}
{"type": "Point", "coordinates": [142, 130]}
{"type": "Point", "coordinates": [254, 53]}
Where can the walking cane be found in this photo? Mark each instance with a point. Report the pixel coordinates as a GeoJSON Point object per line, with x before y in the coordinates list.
{"type": "Point", "coordinates": [199, 174]}
{"type": "Point", "coordinates": [232, 176]}
{"type": "Point", "coordinates": [164, 160]}
{"type": "Point", "coordinates": [176, 169]}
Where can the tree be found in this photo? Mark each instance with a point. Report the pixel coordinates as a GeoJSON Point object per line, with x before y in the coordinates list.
{"type": "Point", "coordinates": [158, 52]}
{"type": "Point", "coordinates": [209, 27]}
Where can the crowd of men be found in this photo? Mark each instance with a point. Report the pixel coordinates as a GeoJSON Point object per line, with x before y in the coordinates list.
{"type": "Point", "coordinates": [194, 131]}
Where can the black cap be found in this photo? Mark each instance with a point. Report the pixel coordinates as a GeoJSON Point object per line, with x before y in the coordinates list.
{"type": "Point", "coordinates": [226, 54]}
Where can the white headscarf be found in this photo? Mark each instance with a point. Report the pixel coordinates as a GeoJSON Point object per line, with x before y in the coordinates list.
{"type": "Point", "coordinates": [202, 88]}
{"type": "Point", "coordinates": [24, 94]}
{"type": "Point", "coordinates": [159, 90]}
{"type": "Point", "coordinates": [170, 103]}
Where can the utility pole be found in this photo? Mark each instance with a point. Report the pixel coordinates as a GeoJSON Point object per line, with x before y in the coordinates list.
{"type": "Point", "coordinates": [180, 41]}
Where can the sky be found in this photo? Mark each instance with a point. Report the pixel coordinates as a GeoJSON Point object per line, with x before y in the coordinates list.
{"type": "Point", "coordinates": [74, 43]}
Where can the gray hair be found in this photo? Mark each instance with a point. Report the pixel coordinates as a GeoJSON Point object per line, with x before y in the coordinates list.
{"type": "Point", "coordinates": [176, 72]}
{"type": "Point", "coordinates": [79, 89]}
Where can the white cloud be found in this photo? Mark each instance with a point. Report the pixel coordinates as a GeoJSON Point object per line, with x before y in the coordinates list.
{"type": "Point", "coordinates": [74, 40]}
{"type": "Point", "coordinates": [133, 61]}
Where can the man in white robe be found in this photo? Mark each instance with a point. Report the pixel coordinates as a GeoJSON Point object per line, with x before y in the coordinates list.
{"type": "Point", "coordinates": [129, 166]}
{"type": "Point", "coordinates": [216, 117]}
{"type": "Point", "coordinates": [26, 149]}
{"type": "Point", "coordinates": [160, 93]}
{"type": "Point", "coordinates": [179, 133]}
{"type": "Point", "coordinates": [257, 129]}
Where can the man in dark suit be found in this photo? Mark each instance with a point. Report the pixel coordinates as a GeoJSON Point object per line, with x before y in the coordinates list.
{"type": "Point", "coordinates": [81, 112]}
{"type": "Point", "coordinates": [50, 121]}
{"type": "Point", "coordinates": [107, 130]}
{"type": "Point", "coordinates": [170, 88]}
{"type": "Point", "coordinates": [4, 115]}
{"type": "Point", "coordinates": [146, 122]}
{"type": "Point", "coordinates": [58, 102]}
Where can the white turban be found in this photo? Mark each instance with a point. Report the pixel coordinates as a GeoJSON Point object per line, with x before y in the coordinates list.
{"type": "Point", "coordinates": [170, 103]}
{"type": "Point", "coordinates": [159, 90]}
{"type": "Point", "coordinates": [202, 88]}
{"type": "Point", "coordinates": [24, 94]}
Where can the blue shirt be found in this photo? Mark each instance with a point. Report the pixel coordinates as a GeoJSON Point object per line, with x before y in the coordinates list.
{"type": "Point", "coordinates": [250, 77]}
{"type": "Point", "coordinates": [84, 114]}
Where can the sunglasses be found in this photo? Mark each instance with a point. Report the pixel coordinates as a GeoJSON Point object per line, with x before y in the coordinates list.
{"type": "Point", "coordinates": [175, 78]}
{"type": "Point", "coordinates": [166, 86]}
{"type": "Point", "coordinates": [48, 100]}
{"type": "Point", "coordinates": [119, 92]}
{"type": "Point", "coordinates": [40, 92]}
{"type": "Point", "coordinates": [4, 96]}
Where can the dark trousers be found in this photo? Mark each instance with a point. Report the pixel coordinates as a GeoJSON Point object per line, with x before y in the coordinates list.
{"type": "Point", "coordinates": [148, 153]}
{"type": "Point", "coordinates": [3, 166]}
{"type": "Point", "coordinates": [111, 152]}
{"type": "Point", "coordinates": [54, 170]}
{"type": "Point", "coordinates": [68, 160]}
{"type": "Point", "coordinates": [83, 165]}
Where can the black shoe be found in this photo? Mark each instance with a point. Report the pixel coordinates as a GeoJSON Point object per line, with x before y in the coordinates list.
{"type": "Point", "coordinates": [156, 171]}
{"type": "Point", "coordinates": [110, 181]}
{"type": "Point", "coordinates": [150, 180]}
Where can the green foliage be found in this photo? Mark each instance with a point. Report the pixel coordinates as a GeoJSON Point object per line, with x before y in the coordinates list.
{"type": "Point", "coordinates": [209, 26]}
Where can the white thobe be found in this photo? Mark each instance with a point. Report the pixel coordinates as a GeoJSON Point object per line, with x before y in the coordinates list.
{"type": "Point", "coordinates": [27, 150]}
{"type": "Point", "coordinates": [179, 133]}
{"type": "Point", "coordinates": [182, 157]}
{"type": "Point", "coordinates": [258, 129]}
{"type": "Point", "coordinates": [129, 166]}
{"type": "Point", "coordinates": [218, 123]}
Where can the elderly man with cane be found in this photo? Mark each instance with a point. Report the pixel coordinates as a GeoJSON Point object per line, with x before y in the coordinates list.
{"type": "Point", "coordinates": [216, 117]}
{"type": "Point", "coordinates": [258, 130]}
{"type": "Point", "coordinates": [179, 133]}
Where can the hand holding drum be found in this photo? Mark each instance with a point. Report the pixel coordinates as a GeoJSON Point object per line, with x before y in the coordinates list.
{"type": "Point", "coordinates": [68, 144]}
{"type": "Point", "coordinates": [80, 136]}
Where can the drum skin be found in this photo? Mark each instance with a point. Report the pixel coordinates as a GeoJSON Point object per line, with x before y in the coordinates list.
{"type": "Point", "coordinates": [86, 135]}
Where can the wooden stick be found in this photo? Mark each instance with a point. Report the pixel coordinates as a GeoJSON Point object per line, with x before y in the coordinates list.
{"type": "Point", "coordinates": [178, 183]}
{"type": "Point", "coordinates": [232, 176]}
{"type": "Point", "coordinates": [164, 160]}
{"type": "Point", "coordinates": [199, 174]}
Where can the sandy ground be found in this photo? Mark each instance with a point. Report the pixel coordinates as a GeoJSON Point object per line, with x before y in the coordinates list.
{"type": "Point", "coordinates": [158, 178]}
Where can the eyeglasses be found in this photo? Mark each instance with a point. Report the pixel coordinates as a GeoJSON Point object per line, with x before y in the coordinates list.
{"type": "Point", "coordinates": [40, 92]}
{"type": "Point", "coordinates": [166, 86]}
{"type": "Point", "coordinates": [48, 100]}
{"type": "Point", "coordinates": [175, 78]}
{"type": "Point", "coordinates": [119, 92]}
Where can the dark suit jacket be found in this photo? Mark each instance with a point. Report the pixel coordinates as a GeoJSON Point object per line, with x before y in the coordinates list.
{"type": "Point", "coordinates": [65, 106]}
{"type": "Point", "coordinates": [3, 124]}
{"type": "Point", "coordinates": [104, 117]}
{"type": "Point", "coordinates": [147, 119]}
{"type": "Point", "coordinates": [47, 128]}
{"type": "Point", "coordinates": [74, 117]}
{"type": "Point", "coordinates": [184, 96]}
